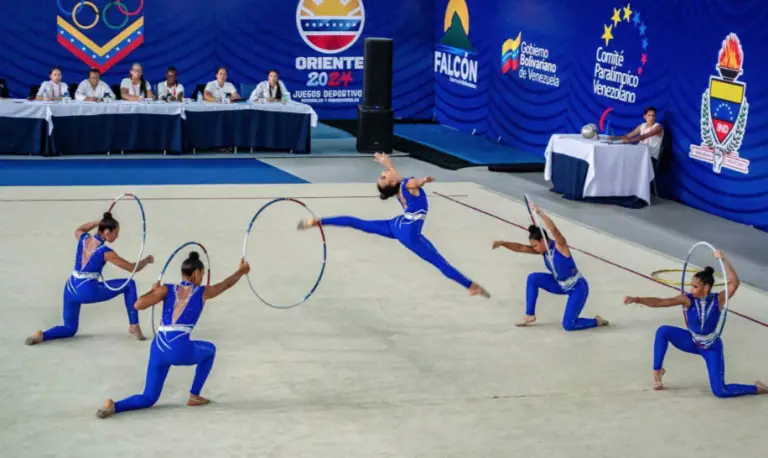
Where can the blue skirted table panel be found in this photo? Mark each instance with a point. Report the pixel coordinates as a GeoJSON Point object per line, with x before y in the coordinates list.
{"type": "Point", "coordinates": [23, 135]}
{"type": "Point", "coordinates": [248, 129]}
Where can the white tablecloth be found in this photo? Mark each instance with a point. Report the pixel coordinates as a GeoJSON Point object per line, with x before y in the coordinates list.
{"type": "Point", "coordinates": [290, 107]}
{"type": "Point", "coordinates": [615, 169]}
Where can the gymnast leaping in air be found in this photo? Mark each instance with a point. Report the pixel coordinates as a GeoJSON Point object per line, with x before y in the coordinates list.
{"type": "Point", "coordinates": [182, 306]}
{"type": "Point", "coordinates": [563, 277]}
{"type": "Point", "coordinates": [84, 285]}
{"type": "Point", "coordinates": [406, 228]}
{"type": "Point", "coordinates": [702, 311]}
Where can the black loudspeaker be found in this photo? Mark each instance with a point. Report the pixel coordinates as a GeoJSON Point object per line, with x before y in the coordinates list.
{"type": "Point", "coordinates": [374, 130]}
{"type": "Point", "coordinates": [377, 74]}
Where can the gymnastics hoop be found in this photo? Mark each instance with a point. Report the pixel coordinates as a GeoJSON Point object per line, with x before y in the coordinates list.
{"type": "Point", "coordinates": [143, 240]}
{"type": "Point", "coordinates": [322, 267]}
{"type": "Point", "coordinates": [74, 15]}
{"type": "Point", "coordinates": [168, 263]}
{"type": "Point", "coordinates": [104, 16]}
{"type": "Point", "coordinates": [121, 7]}
{"type": "Point", "coordinates": [655, 275]}
{"type": "Point", "coordinates": [537, 223]}
{"type": "Point", "coordinates": [65, 12]}
{"type": "Point", "coordinates": [723, 315]}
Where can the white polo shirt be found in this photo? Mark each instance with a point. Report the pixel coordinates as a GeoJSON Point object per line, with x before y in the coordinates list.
{"type": "Point", "coordinates": [134, 89]}
{"type": "Point", "coordinates": [263, 91]}
{"type": "Point", "coordinates": [163, 90]}
{"type": "Point", "coordinates": [54, 90]}
{"type": "Point", "coordinates": [86, 90]}
{"type": "Point", "coordinates": [220, 92]}
{"type": "Point", "coordinates": [654, 143]}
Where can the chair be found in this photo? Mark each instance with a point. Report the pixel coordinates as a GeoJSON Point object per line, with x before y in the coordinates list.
{"type": "Point", "coordinates": [33, 91]}
{"type": "Point", "coordinates": [199, 89]}
{"type": "Point", "coordinates": [246, 89]}
{"type": "Point", "coordinates": [656, 170]}
{"type": "Point", "coordinates": [72, 90]}
{"type": "Point", "coordinates": [116, 89]}
{"type": "Point", "coordinates": [4, 92]}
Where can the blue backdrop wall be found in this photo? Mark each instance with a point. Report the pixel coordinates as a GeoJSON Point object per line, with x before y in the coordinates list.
{"type": "Point", "coordinates": [317, 48]}
{"type": "Point", "coordinates": [520, 71]}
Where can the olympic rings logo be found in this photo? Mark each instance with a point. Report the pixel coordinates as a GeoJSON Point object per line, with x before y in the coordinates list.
{"type": "Point", "coordinates": [101, 14]}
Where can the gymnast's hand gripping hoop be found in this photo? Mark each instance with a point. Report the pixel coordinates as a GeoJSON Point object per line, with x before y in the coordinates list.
{"type": "Point", "coordinates": [537, 222]}
{"type": "Point", "coordinates": [143, 240]}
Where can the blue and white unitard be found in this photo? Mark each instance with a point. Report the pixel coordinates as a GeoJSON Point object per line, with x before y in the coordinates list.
{"type": "Point", "coordinates": [702, 316]}
{"type": "Point", "coordinates": [84, 287]}
{"type": "Point", "coordinates": [173, 346]}
{"type": "Point", "coordinates": [564, 279]}
{"type": "Point", "coordinates": [406, 228]}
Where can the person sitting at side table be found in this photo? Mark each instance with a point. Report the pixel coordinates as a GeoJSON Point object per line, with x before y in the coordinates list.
{"type": "Point", "coordinates": [135, 87]}
{"type": "Point", "coordinates": [53, 89]}
{"type": "Point", "coordinates": [170, 89]}
{"type": "Point", "coordinates": [93, 89]}
{"type": "Point", "coordinates": [648, 133]}
{"type": "Point", "coordinates": [218, 89]}
{"type": "Point", "coordinates": [272, 90]}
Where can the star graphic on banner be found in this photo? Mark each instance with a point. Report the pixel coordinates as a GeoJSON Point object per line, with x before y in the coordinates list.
{"type": "Point", "coordinates": [616, 18]}
{"type": "Point", "coordinates": [636, 19]}
{"type": "Point", "coordinates": [645, 44]}
{"type": "Point", "coordinates": [639, 70]}
{"type": "Point", "coordinates": [644, 59]}
{"type": "Point", "coordinates": [607, 36]}
{"type": "Point", "coordinates": [642, 30]}
{"type": "Point", "coordinates": [627, 12]}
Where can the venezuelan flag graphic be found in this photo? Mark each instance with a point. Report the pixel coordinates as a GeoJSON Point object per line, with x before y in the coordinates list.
{"type": "Point", "coordinates": [510, 54]}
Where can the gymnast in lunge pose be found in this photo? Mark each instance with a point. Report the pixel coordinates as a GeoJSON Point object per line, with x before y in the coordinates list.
{"type": "Point", "coordinates": [563, 277]}
{"type": "Point", "coordinates": [407, 227]}
{"type": "Point", "coordinates": [84, 286]}
{"type": "Point", "coordinates": [182, 306]}
{"type": "Point", "coordinates": [702, 311]}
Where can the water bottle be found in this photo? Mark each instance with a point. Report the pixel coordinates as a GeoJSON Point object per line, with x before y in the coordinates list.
{"type": "Point", "coordinates": [285, 98]}
{"type": "Point", "coordinates": [45, 94]}
{"type": "Point", "coordinates": [199, 97]}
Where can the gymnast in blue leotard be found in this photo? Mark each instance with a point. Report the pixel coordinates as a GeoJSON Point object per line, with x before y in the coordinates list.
{"type": "Point", "coordinates": [84, 285]}
{"type": "Point", "coordinates": [182, 306]}
{"type": "Point", "coordinates": [702, 312]}
{"type": "Point", "coordinates": [563, 277]}
{"type": "Point", "coordinates": [407, 227]}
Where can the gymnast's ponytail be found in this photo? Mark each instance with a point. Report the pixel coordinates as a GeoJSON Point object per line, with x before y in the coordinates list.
{"type": "Point", "coordinates": [192, 264]}
{"type": "Point", "coordinates": [108, 223]}
{"type": "Point", "coordinates": [535, 233]}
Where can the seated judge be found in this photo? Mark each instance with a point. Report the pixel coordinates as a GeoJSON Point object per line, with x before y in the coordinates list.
{"type": "Point", "coordinates": [53, 89]}
{"type": "Point", "coordinates": [170, 89]}
{"type": "Point", "coordinates": [271, 90]}
{"type": "Point", "coordinates": [649, 133]}
{"type": "Point", "coordinates": [218, 89]}
{"type": "Point", "coordinates": [135, 87]}
{"type": "Point", "coordinates": [93, 89]}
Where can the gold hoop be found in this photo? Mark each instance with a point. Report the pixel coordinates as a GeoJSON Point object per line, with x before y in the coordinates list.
{"type": "Point", "coordinates": [655, 276]}
{"type": "Point", "coordinates": [74, 15]}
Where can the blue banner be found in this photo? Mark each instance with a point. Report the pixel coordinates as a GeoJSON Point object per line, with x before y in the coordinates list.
{"type": "Point", "coordinates": [316, 45]}
{"type": "Point", "coordinates": [521, 71]}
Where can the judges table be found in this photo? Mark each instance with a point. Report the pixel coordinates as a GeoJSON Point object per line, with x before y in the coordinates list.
{"type": "Point", "coordinates": [599, 171]}
{"type": "Point", "coordinates": [34, 127]}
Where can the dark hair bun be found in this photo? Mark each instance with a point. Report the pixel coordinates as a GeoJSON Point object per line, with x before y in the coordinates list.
{"type": "Point", "coordinates": [532, 228]}
{"type": "Point", "coordinates": [108, 215]}
{"type": "Point", "coordinates": [709, 270]}
{"type": "Point", "coordinates": [194, 255]}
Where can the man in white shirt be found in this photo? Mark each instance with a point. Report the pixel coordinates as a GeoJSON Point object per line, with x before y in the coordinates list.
{"type": "Point", "coordinates": [93, 89]}
{"type": "Point", "coordinates": [170, 89]}
{"type": "Point", "coordinates": [220, 88]}
{"type": "Point", "coordinates": [272, 90]}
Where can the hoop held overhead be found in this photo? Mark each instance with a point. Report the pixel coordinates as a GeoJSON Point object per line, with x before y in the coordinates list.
{"type": "Point", "coordinates": [143, 240]}
{"type": "Point", "coordinates": [724, 314]}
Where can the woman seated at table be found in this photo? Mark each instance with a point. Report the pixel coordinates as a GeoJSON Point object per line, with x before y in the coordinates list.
{"type": "Point", "coordinates": [219, 89]}
{"type": "Point", "coordinates": [135, 87]}
{"type": "Point", "coordinates": [272, 90]}
{"type": "Point", "coordinates": [170, 89]}
{"type": "Point", "coordinates": [53, 89]}
{"type": "Point", "coordinates": [649, 133]}
{"type": "Point", "coordinates": [93, 89]}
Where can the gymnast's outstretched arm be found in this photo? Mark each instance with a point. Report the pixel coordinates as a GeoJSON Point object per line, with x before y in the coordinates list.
{"type": "Point", "coordinates": [513, 246]}
{"type": "Point", "coordinates": [733, 279]}
{"type": "Point", "coordinates": [152, 297]}
{"type": "Point", "coordinates": [560, 242]}
{"type": "Point", "coordinates": [128, 266]}
{"type": "Point", "coordinates": [657, 302]}
{"type": "Point", "coordinates": [214, 290]}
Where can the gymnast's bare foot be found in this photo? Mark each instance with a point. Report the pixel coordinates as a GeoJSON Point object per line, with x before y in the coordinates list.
{"type": "Point", "coordinates": [108, 410]}
{"type": "Point", "coordinates": [527, 319]}
{"type": "Point", "coordinates": [761, 387]}
{"type": "Point", "coordinates": [306, 224]}
{"type": "Point", "coordinates": [195, 400]}
{"type": "Point", "coordinates": [475, 289]}
{"type": "Point", "coordinates": [135, 330]}
{"type": "Point", "coordinates": [35, 338]}
{"type": "Point", "coordinates": [657, 375]}
{"type": "Point", "coordinates": [601, 321]}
